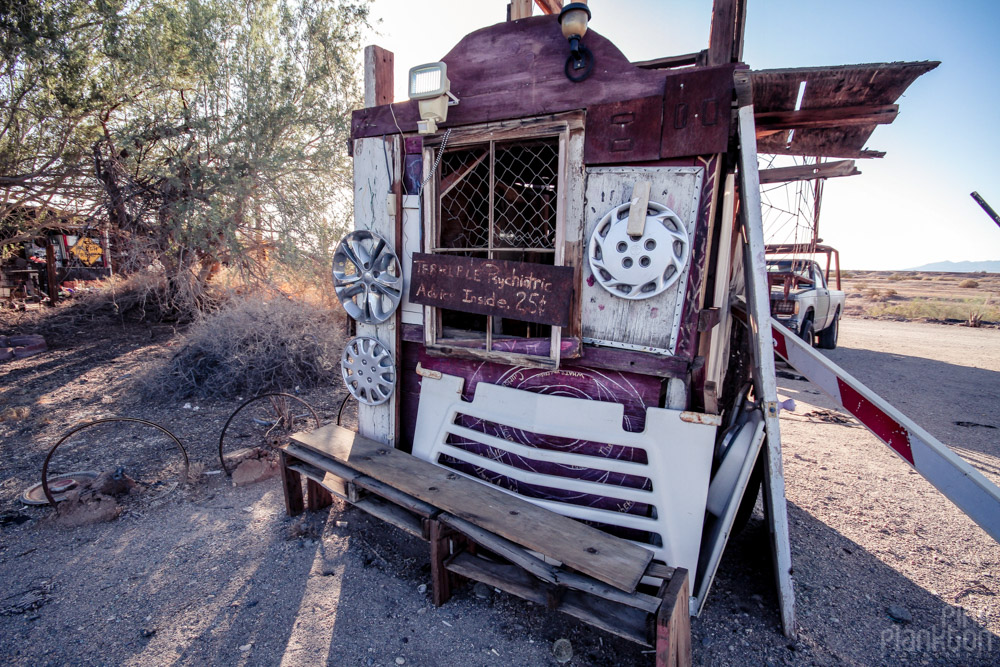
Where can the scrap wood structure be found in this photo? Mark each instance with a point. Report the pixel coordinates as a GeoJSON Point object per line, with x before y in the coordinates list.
{"type": "Point", "coordinates": [58, 248]}
{"type": "Point", "coordinates": [559, 292]}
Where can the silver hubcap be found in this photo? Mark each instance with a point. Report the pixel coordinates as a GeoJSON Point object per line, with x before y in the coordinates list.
{"type": "Point", "coordinates": [368, 370]}
{"type": "Point", "coordinates": [367, 277]}
{"type": "Point", "coordinates": [640, 267]}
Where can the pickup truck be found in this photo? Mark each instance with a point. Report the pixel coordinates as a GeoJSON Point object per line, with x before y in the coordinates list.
{"type": "Point", "coordinates": [802, 301]}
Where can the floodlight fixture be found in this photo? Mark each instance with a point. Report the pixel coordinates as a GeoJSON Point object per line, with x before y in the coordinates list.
{"type": "Point", "coordinates": [429, 85]}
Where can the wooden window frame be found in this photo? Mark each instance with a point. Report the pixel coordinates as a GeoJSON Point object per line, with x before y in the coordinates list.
{"type": "Point", "coordinates": [568, 128]}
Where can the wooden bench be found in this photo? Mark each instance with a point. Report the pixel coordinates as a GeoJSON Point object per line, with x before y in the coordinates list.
{"type": "Point", "coordinates": [597, 575]}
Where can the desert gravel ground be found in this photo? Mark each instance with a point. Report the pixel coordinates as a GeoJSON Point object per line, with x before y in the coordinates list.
{"type": "Point", "coordinates": [216, 574]}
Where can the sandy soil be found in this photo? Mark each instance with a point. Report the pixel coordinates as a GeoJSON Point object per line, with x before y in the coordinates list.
{"type": "Point", "coordinates": [216, 574]}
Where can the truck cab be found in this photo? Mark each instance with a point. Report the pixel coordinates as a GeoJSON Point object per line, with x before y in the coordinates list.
{"type": "Point", "coordinates": [802, 300]}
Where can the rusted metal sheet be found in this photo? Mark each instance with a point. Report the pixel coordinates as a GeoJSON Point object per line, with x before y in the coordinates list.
{"type": "Point", "coordinates": [696, 112]}
{"type": "Point", "coordinates": [517, 290]}
{"type": "Point", "coordinates": [621, 132]}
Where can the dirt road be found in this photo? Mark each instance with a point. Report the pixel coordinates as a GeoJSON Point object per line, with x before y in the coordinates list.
{"type": "Point", "coordinates": [217, 574]}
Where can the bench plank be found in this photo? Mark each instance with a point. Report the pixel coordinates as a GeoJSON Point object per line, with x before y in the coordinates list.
{"type": "Point", "coordinates": [604, 557]}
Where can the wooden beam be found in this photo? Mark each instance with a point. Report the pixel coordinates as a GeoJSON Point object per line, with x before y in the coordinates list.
{"type": "Point", "coordinates": [808, 172]}
{"type": "Point", "coordinates": [740, 34]}
{"type": "Point", "coordinates": [378, 76]}
{"type": "Point", "coordinates": [670, 62]}
{"type": "Point", "coordinates": [722, 39]}
{"type": "Point", "coordinates": [455, 178]}
{"type": "Point", "coordinates": [549, 6]}
{"type": "Point", "coordinates": [769, 122]}
{"type": "Point", "coordinates": [518, 9]}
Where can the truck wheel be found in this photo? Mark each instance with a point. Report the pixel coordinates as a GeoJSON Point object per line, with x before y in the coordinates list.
{"type": "Point", "coordinates": [808, 332]}
{"type": "Point", "coordinates": [828, 336]}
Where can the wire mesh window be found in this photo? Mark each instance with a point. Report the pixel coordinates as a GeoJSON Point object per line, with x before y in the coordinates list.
{"type": "Point", "coordinates": [500, 197]}
{"type": "Point", "coordinates": [499, 200]}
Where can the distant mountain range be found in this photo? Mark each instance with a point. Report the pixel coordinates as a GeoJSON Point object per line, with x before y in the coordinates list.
{"type": "Point", "coordinates": [990, 266]}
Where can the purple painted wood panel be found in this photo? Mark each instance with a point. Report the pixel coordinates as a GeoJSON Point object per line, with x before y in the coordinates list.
{"type": "Point", "coordinates": [687, 337]}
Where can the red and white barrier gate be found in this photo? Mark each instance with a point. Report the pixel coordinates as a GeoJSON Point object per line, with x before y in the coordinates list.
{"type": "Point", "coordinates": [961, 483]}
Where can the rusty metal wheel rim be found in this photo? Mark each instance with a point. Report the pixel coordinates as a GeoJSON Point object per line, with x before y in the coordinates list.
{"type": "Point", "coordinates": [222, 436]}
{"type": "Point", "coordinates": [76, 429]}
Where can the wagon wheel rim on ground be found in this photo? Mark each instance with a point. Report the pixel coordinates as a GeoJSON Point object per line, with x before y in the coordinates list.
{"type": "Point", "coordinates": [76, 429]}
{"type": "Point", "coordinates": [283, 418]}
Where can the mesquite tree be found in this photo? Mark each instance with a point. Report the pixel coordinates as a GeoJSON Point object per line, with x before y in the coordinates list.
{"type": "Point", "coordinates": [213, 132]}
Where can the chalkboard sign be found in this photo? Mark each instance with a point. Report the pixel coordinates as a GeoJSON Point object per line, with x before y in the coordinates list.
{"type": "Point", "coordinates": [516, 290]}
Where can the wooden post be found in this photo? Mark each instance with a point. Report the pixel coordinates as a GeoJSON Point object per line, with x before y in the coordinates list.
{"type": "Point", "coordinates": [673, 623]}
{"type": "Point", "coordinates": [317, 497]}
{"type": "Point", "coordinates": [440, 552]}
{"type": "Point", "coordinates": [765, 387]}
{"type": "Point", "coordinates": [518, 9]}
{"type": "Point", "coordinates": [373, 185]}
{"type": "Point", "coordinates": [50, 273]}
{"type": "Point", "coordinates": [725, 44]}
{"type": "Point", "coordinates": [378, 76]}
{"type": "Point", "coordinates": [291, 485]}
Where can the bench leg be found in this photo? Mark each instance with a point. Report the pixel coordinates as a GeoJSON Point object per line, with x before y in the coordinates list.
{"type": "Point", "coordinates": [316, 496]}
{"type": "Point", "coordinates": [291, 485]}
{"type": "Point", "coordinates": [673, 624]}
{"type": "Point", "coordinates": [440, 552]}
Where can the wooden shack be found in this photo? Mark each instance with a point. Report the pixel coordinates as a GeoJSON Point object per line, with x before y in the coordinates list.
{"type": "Point", "coordinates": [554, 289]}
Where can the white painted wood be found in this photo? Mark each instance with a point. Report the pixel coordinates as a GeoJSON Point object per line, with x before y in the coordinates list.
{"type": "Point", "coordinates": [649, 324]}
{"type": "Point", "coordinates": [412, 223]}
{"type": "Point", "coordinates": [718, 358]}
{"type": "Point", "coordinates": [369, 65]}
{"type": "Point", "coordinates": [372, 185]}
{"type": "Point", "coordinates": [637, 211]}
{"type": "Point", "coordinates": [765, 387]}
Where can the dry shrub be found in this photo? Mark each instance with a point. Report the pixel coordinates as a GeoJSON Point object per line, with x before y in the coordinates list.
{"type": "Point", "coordinates": [254, 344]}
{"type": "Point", "coordinates": [874, 295]}
{"type": "Point", "coordinates": [15, 414]}
{"type": "Point", "coordinates": [969, 282]}
{"type": "Point", "coordinates": [897, 276]}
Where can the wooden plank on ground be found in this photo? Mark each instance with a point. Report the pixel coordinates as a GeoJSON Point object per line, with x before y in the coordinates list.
{"type": "Point", "coordinates": [580, 547]}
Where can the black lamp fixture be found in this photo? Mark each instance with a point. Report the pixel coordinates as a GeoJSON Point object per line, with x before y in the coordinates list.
{"type": "Point", "coordinates": [573, 18]}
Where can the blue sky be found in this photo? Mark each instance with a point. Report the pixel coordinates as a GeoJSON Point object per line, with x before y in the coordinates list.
{"type": "Point", "coordinates": [911, 207]}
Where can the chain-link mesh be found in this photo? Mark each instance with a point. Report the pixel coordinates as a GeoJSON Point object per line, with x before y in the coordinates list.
{"type": "Point", "coordinates": [524, 196]}
{"type": "Point", "coordinates": [465, 207]}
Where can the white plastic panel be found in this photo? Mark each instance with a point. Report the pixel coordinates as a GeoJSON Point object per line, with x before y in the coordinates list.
{"type": "Point", "coordinates": [671, 458]}
{"type": "Point", "coordinates": [412, 313]}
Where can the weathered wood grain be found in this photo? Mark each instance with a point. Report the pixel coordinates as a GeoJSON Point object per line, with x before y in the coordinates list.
{"type": "Point", "coordinates": [372, 185]}
{"type": "Point", "coordinates": [621, 620]}
{"type": "Point", "coordinates": [587, 550]}
{"type": "Point", "coordinates": [651, 322]}
{"type": "Point", "coordinates": [808, 172]}
{"type": "Point", "coordinates": [515, 70]}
